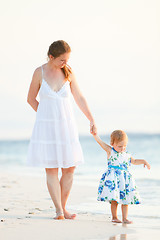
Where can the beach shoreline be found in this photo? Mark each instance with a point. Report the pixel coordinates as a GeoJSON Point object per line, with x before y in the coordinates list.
{"type": "Point", "coordinates": [26, 210]}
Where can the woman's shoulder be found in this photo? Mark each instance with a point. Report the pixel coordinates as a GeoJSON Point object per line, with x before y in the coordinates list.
{"type": "Point", "coordinates": [37, 75]}
{"type": "Point", "coordinates": [38, 71]}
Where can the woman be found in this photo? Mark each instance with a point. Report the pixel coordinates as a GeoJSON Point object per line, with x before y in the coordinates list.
{"type": "Point", "coordinates": [54, 143]}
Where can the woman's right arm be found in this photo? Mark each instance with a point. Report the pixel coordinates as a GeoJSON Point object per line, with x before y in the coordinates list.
{"type": "Point", "coordinates": [34, 89]}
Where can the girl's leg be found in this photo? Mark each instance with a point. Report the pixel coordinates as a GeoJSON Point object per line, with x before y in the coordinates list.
{"type": "Point", "coordinates": [114, 206]}
{"type": "Point", "coordinates": [125, 214]}
{"type": "Point", "coordinates": [54, 189]}
{"type": "Point", "coordinates": [66, 184]}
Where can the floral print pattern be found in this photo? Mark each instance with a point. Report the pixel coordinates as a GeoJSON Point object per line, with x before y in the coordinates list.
{"type": "Point", "coordinates": [117, 183]}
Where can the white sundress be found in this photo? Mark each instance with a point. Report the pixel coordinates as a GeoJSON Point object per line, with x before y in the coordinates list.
{"type": "Point", "coordinates": [117, 183]}
{"type": "Point", "coordinates": [54, 142]}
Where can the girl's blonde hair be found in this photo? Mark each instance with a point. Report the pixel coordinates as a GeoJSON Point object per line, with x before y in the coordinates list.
{"type": "Point", "coordinates": [56, 49]}
{"type": "Point", "coordinates": [118, 136]}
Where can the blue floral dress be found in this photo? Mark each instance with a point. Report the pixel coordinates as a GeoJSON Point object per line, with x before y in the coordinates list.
{"type": "Point", "coordinates": [117, 183]}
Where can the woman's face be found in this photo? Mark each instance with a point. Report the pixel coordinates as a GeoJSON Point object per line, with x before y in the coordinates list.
{"type": "Point", "coordinates": [60, 61]}
{"type": "Point", "coordinates": [120, 146]}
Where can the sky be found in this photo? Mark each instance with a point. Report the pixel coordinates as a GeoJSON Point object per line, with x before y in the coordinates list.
{"type": "Point", "coordinates": [115, 57]}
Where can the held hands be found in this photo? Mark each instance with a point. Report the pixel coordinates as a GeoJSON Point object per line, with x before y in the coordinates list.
{"type": "Point", "coordinates": [93, 128]}
{"type": "Point", "coordinates": [147, 164]}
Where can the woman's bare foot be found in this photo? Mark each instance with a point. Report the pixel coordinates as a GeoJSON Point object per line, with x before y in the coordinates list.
{"type": "Point", "coordinates": [68, 215]}
{"type": "Point", "coordinates": [59, 216]}
{"type": "Point", "coordinates": [126, 221]}
{"type": "Point", "coordinates": [116, 220]}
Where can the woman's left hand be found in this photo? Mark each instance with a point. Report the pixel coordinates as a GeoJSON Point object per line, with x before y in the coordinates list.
{"type": "Point", "coordinates": [93, 128]}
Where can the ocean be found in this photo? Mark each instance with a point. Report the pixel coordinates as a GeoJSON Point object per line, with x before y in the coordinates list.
{"type": "Point", "coordinates": [143, 146]}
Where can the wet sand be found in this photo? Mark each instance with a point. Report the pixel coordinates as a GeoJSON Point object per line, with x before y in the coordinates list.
{"type": "Point", "coordinates": [26, 211]}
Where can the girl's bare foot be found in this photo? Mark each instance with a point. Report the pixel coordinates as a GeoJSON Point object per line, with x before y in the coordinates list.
{"type": "Point", "coordinates": [68, 215]}
{"type": "Point", "coordinates": [126, 221]}
{"type": "Point", "coordinates": [116, 220]}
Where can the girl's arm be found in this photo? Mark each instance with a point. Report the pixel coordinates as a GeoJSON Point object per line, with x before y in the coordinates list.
{"type": "Point", "coordinates": [140, 161]}
{"type": "Point", "coordinates": [82, 103]}
{"type": "Point", "coordinates": [34, 88]}
{"type": "Point", "coordinates": [105, 146]}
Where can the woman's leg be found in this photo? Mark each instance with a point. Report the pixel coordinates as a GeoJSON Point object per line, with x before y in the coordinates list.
{"type": "Point", "coordinates": [114, 206]}
{"type": "Point", "coordinates": [66, 184]}
{"type": "Point", "coordinates": [112, 238]}
{"type": "Point", "coordinates": [125, 214]}
{"type": "Point", "coordinates": [123, 237]}
{"type": "Point", "coordinates": [54, 189]}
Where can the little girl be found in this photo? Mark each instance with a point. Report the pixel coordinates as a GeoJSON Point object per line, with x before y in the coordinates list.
{"type": "Point", "coordinates": [117, 184]}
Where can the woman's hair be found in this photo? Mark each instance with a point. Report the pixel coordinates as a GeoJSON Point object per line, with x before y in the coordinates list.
{"type": "Point", "coordinates": [118, 136]}
{"type": "Point", "coordinates": [58, 48]}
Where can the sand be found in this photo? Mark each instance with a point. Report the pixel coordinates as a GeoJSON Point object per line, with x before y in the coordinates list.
{"type": "Point", "coordinates": [26, 212]}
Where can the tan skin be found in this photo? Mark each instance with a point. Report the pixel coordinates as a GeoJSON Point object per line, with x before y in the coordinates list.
{"type": "Point", "coordinates": [53, 75]}
{"type": "Point", "coordinates": [122, 237]}
{"type": "Point", "coordinates": [119, 147]}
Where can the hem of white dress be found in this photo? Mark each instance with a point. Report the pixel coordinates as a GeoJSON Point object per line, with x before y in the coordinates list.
{"type": "Point", "coordinates": [55, 166]}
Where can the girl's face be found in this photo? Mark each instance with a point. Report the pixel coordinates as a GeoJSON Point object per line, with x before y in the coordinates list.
{"type": "Point", "coordinates": [120, 146]}
{"type": "Point", "coordinates": [60, 61]}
